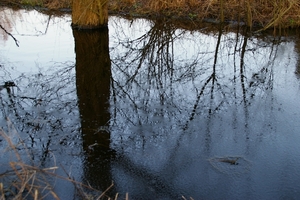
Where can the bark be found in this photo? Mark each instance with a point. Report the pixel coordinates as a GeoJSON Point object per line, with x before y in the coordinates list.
{"type": "Point", "coordinates": [89, 14]}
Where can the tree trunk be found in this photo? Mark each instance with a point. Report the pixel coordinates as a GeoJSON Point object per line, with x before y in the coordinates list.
{"type": "Point", "coordinates": [89, 14]}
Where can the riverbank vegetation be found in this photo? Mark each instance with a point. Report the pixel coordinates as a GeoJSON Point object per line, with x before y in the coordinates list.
{"type": "Point", "coordinates": [26, 179]}
{"type": "Point", "coordinates": [259, 13]}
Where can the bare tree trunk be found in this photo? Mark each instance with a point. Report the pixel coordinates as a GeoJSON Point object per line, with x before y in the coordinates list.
{"type": "Point", "coordinates": [222, 11]}
{"type": "Point", "coordinates": [89, 14]}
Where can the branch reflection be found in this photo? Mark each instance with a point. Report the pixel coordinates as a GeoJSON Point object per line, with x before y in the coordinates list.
{"type": "Point", "coordinates": [176, 94]}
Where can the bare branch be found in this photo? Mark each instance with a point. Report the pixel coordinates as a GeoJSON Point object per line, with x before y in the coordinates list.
{"type": "Point", "coordinates": [16, 41]}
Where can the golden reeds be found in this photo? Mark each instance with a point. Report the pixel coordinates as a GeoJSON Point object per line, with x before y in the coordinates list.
{"type": "Point", "coordinates": [26, 181]}
{"type": "Point", "coordinates": [279, 13]}
{"type": "Point", "coordinates": [264, 13]}
{"type": "Point", "coordinates": [58, 4]}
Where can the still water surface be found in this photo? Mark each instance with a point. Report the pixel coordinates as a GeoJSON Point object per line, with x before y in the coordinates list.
{"type": "Point", "coordinates": [161, 111]}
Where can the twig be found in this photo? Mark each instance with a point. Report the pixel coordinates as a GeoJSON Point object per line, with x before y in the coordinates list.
{"type": "Point", "coordinates": [103, 193]}
{"type": "Point", "coordinates": [16, 41]}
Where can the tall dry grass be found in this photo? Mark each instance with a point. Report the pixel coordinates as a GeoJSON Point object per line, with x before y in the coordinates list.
{"type": "Point", "coordinates": [22, 180]}
{"type": "Point", "coordinates": [54, 4]}
{"type": "Point", "coordinates": [284, 12]}
{"type": "Point", "coordinates": [263, 13]}
{"type": "Point", "coordinates": [26, 180]}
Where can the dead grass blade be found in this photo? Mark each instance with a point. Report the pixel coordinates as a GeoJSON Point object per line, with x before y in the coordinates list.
{"type": "Point", "coordinates": [27, 181]}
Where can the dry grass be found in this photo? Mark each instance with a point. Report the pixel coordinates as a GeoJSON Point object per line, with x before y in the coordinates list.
{"type": "Point", "coordinates": [58, 4]}
{"type": "Point", "coordinates": [27, 181]}
{"type": "Point", "coordinates": [264, 13]}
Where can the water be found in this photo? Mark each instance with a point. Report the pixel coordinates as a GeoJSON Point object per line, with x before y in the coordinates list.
{"type": "Point", "coordinates": [160, 110]}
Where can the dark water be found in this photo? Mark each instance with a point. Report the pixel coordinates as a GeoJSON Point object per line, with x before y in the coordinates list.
{"type": "Point", "coordinates": [160, 111]}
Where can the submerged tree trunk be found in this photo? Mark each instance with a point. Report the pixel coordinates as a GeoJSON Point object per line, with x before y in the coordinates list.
{"type": "Point", "coordinates": [89, 14]}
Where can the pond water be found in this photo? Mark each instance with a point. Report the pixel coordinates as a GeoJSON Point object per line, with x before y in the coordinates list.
{"type": "Point", "coordinates": [161, 111]}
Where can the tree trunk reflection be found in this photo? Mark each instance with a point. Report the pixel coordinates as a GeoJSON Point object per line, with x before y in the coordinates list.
{"type": "Point", "coordinates": [93, 73]}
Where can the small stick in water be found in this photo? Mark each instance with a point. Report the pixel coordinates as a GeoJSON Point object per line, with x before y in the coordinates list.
{"type": "Point", "coordinates": [230, 161]}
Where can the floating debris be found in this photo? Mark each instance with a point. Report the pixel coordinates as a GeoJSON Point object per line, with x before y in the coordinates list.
{"type": "Point", "coordinates": [233, 165]}
{"type": "Point", "coordinates": [229, 160]}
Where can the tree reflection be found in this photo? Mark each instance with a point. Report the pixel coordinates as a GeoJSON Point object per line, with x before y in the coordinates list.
{"type": "Point", "coordinates": [297, 47]}
{"type": "Point", "coordinates": [30, 104]}
{"type": "Point", "coordinates": [171, 93]}
{"type": "Point", "coordinates": [93, 75]}
{"type": "Point", "coordinates": [149, 67]}
{"type": "Point", "coordinates": [169, 104]}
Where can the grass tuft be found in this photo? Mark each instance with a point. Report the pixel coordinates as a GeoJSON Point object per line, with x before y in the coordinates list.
{"type": "Point", "coordinates": [32, 2]}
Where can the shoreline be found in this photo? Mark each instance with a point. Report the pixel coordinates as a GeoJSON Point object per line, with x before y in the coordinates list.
{"type": "Point", "coordinates": [133, 9]}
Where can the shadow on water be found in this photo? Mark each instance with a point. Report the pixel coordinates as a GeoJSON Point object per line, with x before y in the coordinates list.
{"type": "Point", "coordinates": [164, 112]}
